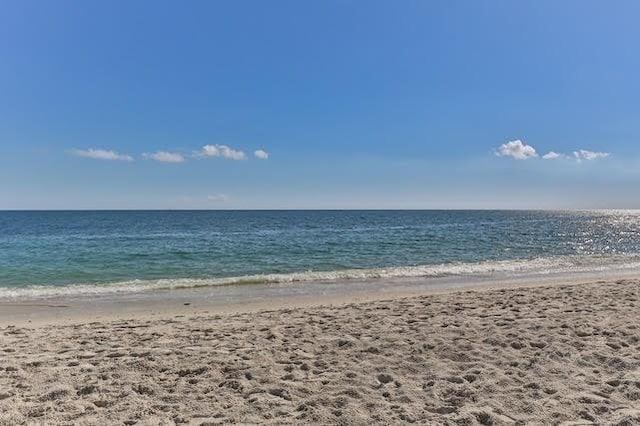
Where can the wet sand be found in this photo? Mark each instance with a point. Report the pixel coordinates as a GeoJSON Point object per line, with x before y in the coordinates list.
{"type": "Point", "coordinates": [543, 354]}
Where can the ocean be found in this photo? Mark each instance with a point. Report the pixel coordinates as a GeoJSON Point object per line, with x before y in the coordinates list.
{"type": "Point", "coordinates": [51, 253]}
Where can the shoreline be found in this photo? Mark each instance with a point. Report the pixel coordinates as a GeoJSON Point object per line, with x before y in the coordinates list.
{"type": "Point", "coordinates": [38, 312]}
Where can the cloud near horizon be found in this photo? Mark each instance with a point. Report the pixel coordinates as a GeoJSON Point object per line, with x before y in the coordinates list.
{"type": "Point", "coordinates": [516, 149]}
{"type": "Point", "coordinates": [165, 157]}
{"type": "Point", "coordinates": [218, 198]}
{"type": "Point", "coordinates": [222, 151]}
{"type": "Point", "coordinates": [101, 154]}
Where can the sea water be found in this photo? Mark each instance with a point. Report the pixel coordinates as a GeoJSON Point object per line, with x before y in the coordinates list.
{"type": "Point", "coordinates": [49, 253]}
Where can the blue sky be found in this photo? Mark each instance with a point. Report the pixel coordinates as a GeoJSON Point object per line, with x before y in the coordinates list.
{"type": "Point", "coordinates": [356, 104]}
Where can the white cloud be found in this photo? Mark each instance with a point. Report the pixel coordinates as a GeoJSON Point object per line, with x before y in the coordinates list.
{"type": "Point", "coordinates": [165, 157]}
{"type": "Point", "coordinates": [584, 154]}
{"type": "Point", "coordinates": [261, 154]}
{"type": "Point", "coordinates": [516, 149]}
{"type": "Point", "coordinates": [101, 154]}
{"type": "Point", "coordinates": [521, 151]}
{"type": "Point", "coordinates": [222, 151]}
{"type": "Point", "coordinates": [553, 156]}
{"type": "Point", "coordinates": [218, 198]}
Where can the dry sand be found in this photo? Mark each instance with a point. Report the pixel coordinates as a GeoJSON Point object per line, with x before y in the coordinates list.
{"type": "Point", "coordinates": [545, 355]}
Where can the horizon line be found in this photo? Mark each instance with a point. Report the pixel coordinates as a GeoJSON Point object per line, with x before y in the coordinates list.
{"type": "Point", "coordinates": [314, 209]}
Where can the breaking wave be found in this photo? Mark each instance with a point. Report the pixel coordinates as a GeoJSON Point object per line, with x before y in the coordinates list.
{"type": "Point", "coordinates": [528, 266]}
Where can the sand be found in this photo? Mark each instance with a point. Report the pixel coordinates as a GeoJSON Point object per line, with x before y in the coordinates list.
{"type": "Point", "coordinates": [556, 354]}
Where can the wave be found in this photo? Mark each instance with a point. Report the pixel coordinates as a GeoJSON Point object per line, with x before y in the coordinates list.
{"type": "Point", "coordinates": [523, 266]}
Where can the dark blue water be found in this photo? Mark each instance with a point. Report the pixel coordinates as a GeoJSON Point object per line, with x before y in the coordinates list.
{"type": "Point", "coordinates": [133, 250]}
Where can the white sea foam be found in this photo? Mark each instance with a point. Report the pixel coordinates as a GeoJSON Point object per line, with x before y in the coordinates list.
{"type": "Point", "coordinates": [529, 266]}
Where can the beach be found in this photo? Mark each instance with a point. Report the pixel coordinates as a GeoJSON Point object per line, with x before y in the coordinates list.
{"type": "Point", "coordinates": [319, 213]}
{"type": "Point", "coordinates": [563, 353]}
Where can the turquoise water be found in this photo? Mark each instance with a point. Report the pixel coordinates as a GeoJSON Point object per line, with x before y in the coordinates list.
{"type": "Point", "coordinates": [48, 253]}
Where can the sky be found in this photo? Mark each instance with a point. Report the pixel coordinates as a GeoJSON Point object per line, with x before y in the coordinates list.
{"type": "Point", "coordinates": [319, 105]}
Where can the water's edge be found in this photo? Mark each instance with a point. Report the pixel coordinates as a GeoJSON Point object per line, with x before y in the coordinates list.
{"type": "Point", "coordinates": [196, 302]}
{"type": "Point", "coordinates": [458, 271]}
